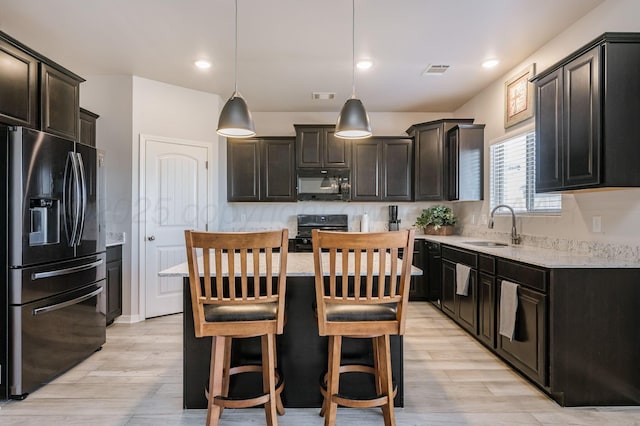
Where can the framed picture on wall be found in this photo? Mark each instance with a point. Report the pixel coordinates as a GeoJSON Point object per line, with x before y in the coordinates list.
{"type": "Point", "coordinates": [518, 97]}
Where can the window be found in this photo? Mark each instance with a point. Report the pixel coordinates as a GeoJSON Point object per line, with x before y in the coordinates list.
{"type": "Point", "coordinates": [512, 179]}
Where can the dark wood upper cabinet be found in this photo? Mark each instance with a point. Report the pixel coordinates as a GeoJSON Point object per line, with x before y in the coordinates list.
{"type": "Point", "coordinates": [317, 146]}
{"type": "Point", "coordinates": [243, 170]}
{"type": "Point", "coordinates": [18, 86]}
{"type": "Point", "coordinates": [367, 162]}
{"type": "Point", "coordinates": [381, 169]}
{"type": "Point", "coordinates": [88, 122]}
{"type": "Point", "coordinates": [586, 107]}
{"type": "Point", "coordinates": [278, 170]}
{"type": "Point", "coordinates": [465, 162]}
{"type": "Point", "coordinates": [261, 169]}
{"type": "Point", "coordinates": [36, 92]}
{"type": "Point", "coordinates": [59, 103]}
{"type": "Point", "coordinates": [430, 161]}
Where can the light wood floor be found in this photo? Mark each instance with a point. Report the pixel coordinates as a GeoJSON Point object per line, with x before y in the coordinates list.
{"type": "Point", "coordinates": [450, 379]}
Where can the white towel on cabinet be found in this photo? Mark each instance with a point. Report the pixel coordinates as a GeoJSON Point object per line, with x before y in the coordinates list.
{"type": "Point", "coordinates": [508, 308]}
{"type": "Point", "coordinates": [462, 279]}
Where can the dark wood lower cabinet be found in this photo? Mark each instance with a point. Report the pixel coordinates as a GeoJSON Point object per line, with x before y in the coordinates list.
{"type": "Point", "coordinates": [462, 309]}
{"type": "Point", "coordinates": [487, 309]}
{"type": "Point", "coordinates": [114, 283]}
{"type": "Point", "coordinates": [528, 349]}
{"type": "Point", "coordinates": [577, 334]}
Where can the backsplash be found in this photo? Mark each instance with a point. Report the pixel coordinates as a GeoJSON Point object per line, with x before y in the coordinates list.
{"type": "Point", "coordinates": [590, 248]}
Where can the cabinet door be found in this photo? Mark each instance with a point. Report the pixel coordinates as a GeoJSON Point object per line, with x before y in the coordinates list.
{"type": "Point", "coordinates": [309, 146]}
{"type": "Point", "coordinates": [59, 103]}
{"type": "Point", "coordinates": [467, 306]}
{"type": "Point", "coordinates": [337, 152]}
{"type": "Point", "coordinates": [449, 288]}
{"type": "Point", "coordinates": [18, 87]}
{"type": "Point", "coordinates": [429, 156]}
{"type": "Point", "coordinates": [486, 309]}
{"type": "Point", "coordinates": [367, 158]}
{"type": "Point", "coordinates": [278, 170]}
{"type": "Point", "coordinates": [549, 112]}
{"type": "Point", "coordinates": [465, 162]}
{"type": "Point", "coordinates": [417, 289]}
{"type": "Point", "coordinates": [581, 133]}
{"type": "Point", "coordinates": [114, 283]}
{"type": "Point", "coordinates": [527, 351]}
{"type": "Point", "coordinates": [396, 172]}
{"type": "Point", "coordinates": [87, 127]}
{"type": "Point", "coordinates": [243, 170]}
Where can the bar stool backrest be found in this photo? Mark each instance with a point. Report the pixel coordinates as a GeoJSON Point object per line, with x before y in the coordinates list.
{"type": "Point", "coordinates": [354, 268]}
{"type": "Point", "coordinates": [215, 257]}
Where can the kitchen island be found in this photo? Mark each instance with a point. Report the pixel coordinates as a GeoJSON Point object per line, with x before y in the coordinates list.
{"type": "Point", "coordinates": [302, 353]}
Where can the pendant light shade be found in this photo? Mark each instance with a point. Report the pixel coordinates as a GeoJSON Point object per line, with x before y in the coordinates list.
{"type": "Point", "coordinates": [353, 121]}
{"type": "Point", "coordinates": [235, 119]}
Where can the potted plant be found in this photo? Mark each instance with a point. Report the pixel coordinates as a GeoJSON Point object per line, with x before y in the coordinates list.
{"type": "Point", "coordinates": [436, 220]}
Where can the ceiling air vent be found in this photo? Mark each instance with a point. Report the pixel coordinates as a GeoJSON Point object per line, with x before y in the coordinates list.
{"type": "Point", "coordinates": [322, 96]}
{"type": "Point", "coordinates": [435, 69]}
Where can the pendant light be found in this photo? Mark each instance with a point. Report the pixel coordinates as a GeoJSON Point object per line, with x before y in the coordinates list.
{"type": "Point", "coordinates": [235, 118]}
{"type": "Point", "coordinates": [353, 121]}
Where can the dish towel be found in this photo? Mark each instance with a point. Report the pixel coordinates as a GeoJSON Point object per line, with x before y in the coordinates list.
{"type": "Point", "coordinates": [508, 308]}
{"type": "Point", "coordinates": [462, 279]}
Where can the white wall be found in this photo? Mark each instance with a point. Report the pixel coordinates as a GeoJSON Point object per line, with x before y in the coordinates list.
{"type": "Point", "coordinates": [620, 210]}
{"type": "Point", "coordinates": [111, 98]}
{"type": "Point", "coordinates": [169, 111]}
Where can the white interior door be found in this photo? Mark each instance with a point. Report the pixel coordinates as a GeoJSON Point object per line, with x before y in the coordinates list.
{"type": "Point", "coordinates": [175, 189]}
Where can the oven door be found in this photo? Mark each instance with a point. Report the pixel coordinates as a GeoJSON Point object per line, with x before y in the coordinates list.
{"type": "Point", "coordinates": [52, 335]}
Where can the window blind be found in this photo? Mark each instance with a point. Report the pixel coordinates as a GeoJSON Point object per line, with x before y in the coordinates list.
{"type": "Point", "coordinates": [512, 176]}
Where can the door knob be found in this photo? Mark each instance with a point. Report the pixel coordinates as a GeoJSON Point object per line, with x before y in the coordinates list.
{"type": "Point", "coordinates": [151, 238]}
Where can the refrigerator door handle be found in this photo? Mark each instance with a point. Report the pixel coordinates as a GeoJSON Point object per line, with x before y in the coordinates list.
{"type": "Point", "coordinates": [66, 271]}
{"type": "Point", "coordinates": [45, 309]}
{"type": "Point", "coordinates": [82, 183]}
{"type": "Point", "coordinates": [71, 198]}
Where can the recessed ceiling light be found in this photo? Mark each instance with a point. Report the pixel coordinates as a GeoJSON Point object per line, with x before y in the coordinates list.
{"type": "Point", "coordinates": [490, 63]}
{"type": "Point", "coordinates": [202, 64]}
{"type": "Point", "coordinates": [364, 64]}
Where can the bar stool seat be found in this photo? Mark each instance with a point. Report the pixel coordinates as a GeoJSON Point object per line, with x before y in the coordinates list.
{"type": "Point", "coordinates": [362, 290]}
{"type": "Point", "coordinates": [244, 299]}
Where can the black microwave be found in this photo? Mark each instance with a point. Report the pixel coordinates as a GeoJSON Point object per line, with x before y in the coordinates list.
{"type": "Point", "coordinates": [324, 185]}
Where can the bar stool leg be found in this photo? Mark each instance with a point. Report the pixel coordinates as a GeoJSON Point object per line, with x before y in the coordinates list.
{"type": "Point", "coordinates": [333, 379]}
{"type": "Point", "coordinates": [226, 377]}
{"type": "Point", "coordinates": [386, 378]}
{"type": "Point", "coordinates": [215, 378]}
{"type": "Point", "coordinates": [268, 378]}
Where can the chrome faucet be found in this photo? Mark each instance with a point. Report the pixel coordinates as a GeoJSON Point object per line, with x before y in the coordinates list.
{"type": "Point", "coordinates": [515, 238]}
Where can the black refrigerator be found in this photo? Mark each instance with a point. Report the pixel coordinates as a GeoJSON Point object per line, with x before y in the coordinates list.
{"type": "Point", "coordinates": [53, 258]}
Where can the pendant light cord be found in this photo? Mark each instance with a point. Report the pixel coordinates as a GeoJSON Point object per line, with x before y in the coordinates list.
{"type": "Point", "coordinates": [353, 49]}
{"type": "Point", "coordinates": [235, 70]}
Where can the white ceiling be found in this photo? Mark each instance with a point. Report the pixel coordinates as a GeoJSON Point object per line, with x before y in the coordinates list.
{"type": "Point", "coordinates": [288, 49]}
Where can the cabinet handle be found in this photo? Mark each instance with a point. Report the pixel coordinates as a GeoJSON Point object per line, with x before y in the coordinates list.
{"type": "Point", "coordinates": [151, 238]}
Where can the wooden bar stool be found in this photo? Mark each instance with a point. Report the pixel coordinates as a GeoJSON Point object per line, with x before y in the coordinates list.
{"type": "Point", "coordinates": [237, 305]}
{"type": "Point", "coordinates": [362, 290]}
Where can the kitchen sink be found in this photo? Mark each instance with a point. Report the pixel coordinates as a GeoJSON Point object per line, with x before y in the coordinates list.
{"type": "Point", "coordinates": [486, 243]}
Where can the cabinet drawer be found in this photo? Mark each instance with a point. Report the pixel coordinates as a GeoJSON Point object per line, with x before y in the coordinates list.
{"type": "Point", "coordinates": [487, 264]}
{"type": "Point", "coordinates": [526, 275]}
{"type": "Point", "coordinates": [460, 256]}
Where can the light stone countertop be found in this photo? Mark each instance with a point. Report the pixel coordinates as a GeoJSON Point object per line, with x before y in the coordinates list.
{"type": "Point", "coordinates": [547, 258]}
{"type": "Point", "coordinates": [115, 238]}
{"type": "Point", "coordinates": [298, 265]}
